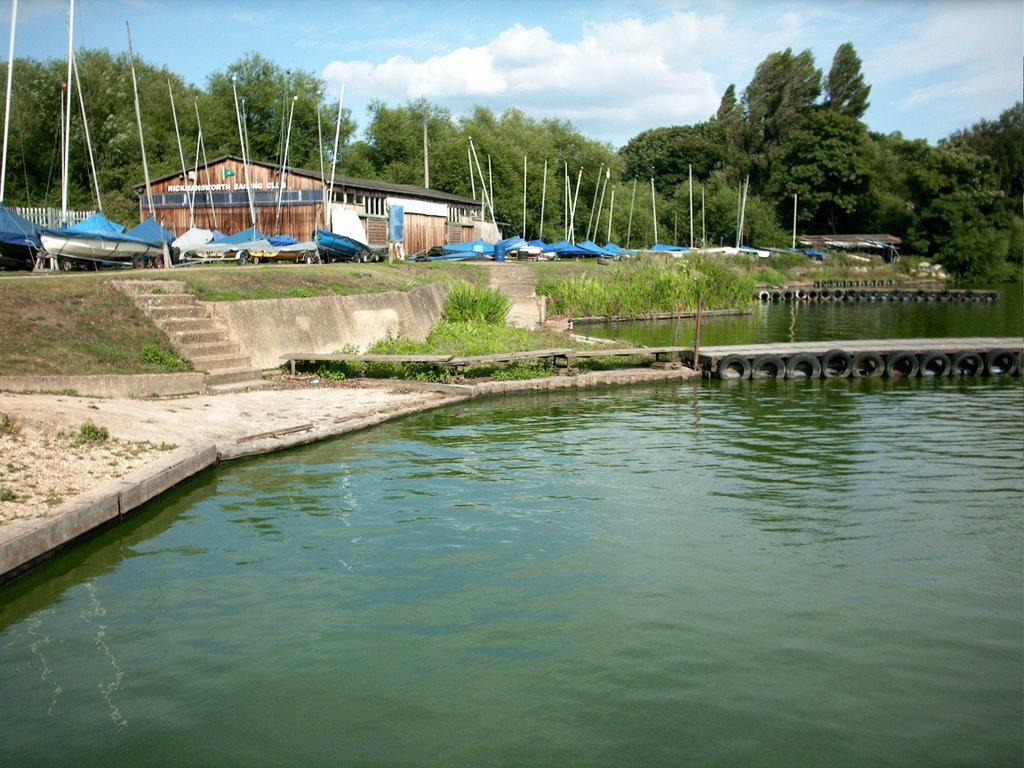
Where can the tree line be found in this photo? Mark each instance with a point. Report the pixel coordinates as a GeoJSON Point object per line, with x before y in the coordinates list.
{"type": "Point", "coordinates": [792, 140]}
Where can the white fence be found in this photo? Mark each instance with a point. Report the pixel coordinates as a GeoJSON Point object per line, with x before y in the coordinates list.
{"type": "Point", "coordinates": [51, 217]}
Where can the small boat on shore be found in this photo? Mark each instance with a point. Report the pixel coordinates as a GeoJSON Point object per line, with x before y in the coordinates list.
{"type": "Point", "coordinates": [101, 242]}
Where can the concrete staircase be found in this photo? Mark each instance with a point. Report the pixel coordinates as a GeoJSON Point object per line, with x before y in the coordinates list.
{"type": "Point", "coordinates": [519, 281]}
{"type": "Point", "coordinates": [194, 332]}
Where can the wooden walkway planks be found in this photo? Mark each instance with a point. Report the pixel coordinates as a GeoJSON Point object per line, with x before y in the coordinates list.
{"type": "Point", "coordinates": [853, 346]}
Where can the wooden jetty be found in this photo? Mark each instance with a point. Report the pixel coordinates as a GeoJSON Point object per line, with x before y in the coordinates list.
{"type": "Point", "coordinates": [893, 358]}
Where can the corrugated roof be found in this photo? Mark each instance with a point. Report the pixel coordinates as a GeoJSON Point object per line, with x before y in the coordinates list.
{"type": "Point", "coordinates": [351, 182]}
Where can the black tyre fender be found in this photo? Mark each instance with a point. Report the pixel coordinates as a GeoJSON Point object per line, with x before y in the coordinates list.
{"type": "Point", "coordinates": [734, 367]}
{"type": "Point", "coordinates": [901, 364]}
{"type": "Point", "coordinates": [967, 364]}
{"type": "Point", "coordinates": [836, 364]}
{"type": "Point", "coordinates": [768, 367]}
{"type": "Point", "coordinates": [934, 364]}
{"type": "Point", "coordinates": [1001, 361]}
{"type": "Point", "coordinates": [803, 365]}
{"type": "Point", "coordinates": [868, 365]}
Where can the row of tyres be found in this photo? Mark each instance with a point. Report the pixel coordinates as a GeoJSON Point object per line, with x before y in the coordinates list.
{"type": "Point", "coordinates": [839, 364]}
{"type": "Point", "coordinates": [766, 295]}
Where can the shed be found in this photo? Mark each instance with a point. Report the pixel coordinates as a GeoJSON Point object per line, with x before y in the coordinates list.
{"type": "Point", "coordinates": [229, 195]}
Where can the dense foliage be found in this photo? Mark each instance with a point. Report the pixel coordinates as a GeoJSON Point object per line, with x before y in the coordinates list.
{"type": "Point", "coordinates": [794, 131]}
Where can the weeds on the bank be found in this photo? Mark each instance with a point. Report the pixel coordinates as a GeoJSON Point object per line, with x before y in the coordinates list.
{"type": "Point", "coordinates": [651, 284]}
{"type": "Point", "coordinates": [161, 357]}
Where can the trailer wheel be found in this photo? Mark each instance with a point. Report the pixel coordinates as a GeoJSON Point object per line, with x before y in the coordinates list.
{"type": "Point", "coordinates": [66, 265]}
{"type": "Point", "coordinates": [137, 262]}
{"type": "Point", "coordinates": [243, 257]}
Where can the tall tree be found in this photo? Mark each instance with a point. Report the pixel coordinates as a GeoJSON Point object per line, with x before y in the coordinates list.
{"type": "Point", "coordinates": [845, 90]}
{"type": "Point", "coordinates": [783, 91]}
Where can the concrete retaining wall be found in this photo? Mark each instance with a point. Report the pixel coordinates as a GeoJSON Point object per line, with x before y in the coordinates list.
{"type": "Point", "coordinates": [142, 385]}
{"type": "Point", "coordinates": [267, 329]}
{"type": "Point", "coordinates": [25, 542]}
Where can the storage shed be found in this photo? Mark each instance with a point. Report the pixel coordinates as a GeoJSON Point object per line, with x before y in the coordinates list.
{"type": "Point", "coordinates": [229, 195]}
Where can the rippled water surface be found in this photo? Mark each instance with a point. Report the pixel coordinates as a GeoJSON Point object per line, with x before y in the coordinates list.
{"type": "Point", "coordinates": [742, 573]}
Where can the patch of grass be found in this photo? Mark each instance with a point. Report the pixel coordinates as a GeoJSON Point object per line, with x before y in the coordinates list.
{"type": "Point", "coordinates": [90, 434]}
{"type": "Point", "coordinates": [7, 494]}
{"type": "Point", "coordinates": [53, 499]}
{"type": "Point", "coordinates": [651, 283]}
{"type": "Point", "coordinates": [162, 357]}
{"type": "Point", "coordinates": [69, 392]}
{"type": "Point", "coordinates": [475, 303]}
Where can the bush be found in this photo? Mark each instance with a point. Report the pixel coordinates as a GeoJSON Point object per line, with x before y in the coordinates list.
{"type": "Point", "coordinates": [162, 358]}
{"type": "Point", "coordinates": [89, 433]}
{"type": "Point", "coordinates": [476, 303]}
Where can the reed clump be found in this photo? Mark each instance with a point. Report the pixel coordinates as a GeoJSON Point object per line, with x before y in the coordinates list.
{"type": "Point", "coordinates": [650, 284]}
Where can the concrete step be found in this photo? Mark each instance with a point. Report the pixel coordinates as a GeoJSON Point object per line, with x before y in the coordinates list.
{"type": "Point", "coordinates": [185, 324]}
{"type": "Point", "coordinates": [210, 349]}
{"type": "Point", "coordinates": [154, 287]}
{"type": "Point", "coordinates": [174, 311]}
{"type": "Point", "coordinates": [150, 300]}
{"type": "Point", "coordinates": [182, 339]}
{"type": "Point", "coordinates": [234, 376]}
{"type": "Point", "coordinates": [216, 363]}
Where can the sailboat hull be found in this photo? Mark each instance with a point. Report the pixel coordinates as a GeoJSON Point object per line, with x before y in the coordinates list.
{"type": "Point", "coordinates": [96, 249]}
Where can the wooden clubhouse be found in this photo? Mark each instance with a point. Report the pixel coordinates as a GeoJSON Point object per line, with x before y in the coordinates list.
{"type": "Point", "coordinates": [227, 195]}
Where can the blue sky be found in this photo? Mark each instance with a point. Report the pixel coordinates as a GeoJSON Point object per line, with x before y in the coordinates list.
{"type": "Point", "coordinates": [611, 68]}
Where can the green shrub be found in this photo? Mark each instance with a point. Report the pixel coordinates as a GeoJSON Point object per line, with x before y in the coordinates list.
{"type": "Point", "coordinates": [7, 425]}
{"type": "Point", "coordinates": [7, 494]}
{"type": "Point", "coordinates": [476, 303]}
{"type": "Point", "coordinates": [89, 433]}
{"type": "Point", "coordinates": [151, 354]}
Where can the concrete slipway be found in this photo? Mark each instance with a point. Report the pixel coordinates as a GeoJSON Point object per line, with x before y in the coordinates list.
{"type": "Point", "coordinates": [209, 429]}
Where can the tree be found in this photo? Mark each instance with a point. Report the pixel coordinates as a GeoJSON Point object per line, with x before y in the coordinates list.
{"type": "Point", "coordinates": [783, 91]}
{"type": "Point", "coordinates": [826, 164]}
{"type": "Point", "coordinates": [845, 90]}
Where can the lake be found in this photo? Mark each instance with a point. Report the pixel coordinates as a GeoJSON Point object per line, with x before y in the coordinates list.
{"type": "Point", "coordinates": [748, 573]}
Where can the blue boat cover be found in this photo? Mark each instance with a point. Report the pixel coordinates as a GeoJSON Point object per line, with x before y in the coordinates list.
{"type": "Point", "coordinates": [96, 226]}
{"type": "Point", "coordinates": [17, 230]}
{"type": "Point", "coordinates": [565, 248]}
{"type": "Point", "coordinates": [342, 245]}
{"type": "Point", "coordinates": [150, 232]}
{"type": "Point", "coordinates": [473, 246]}
{"type": "Point", "coordinates": [664, 247]}
{"type": "Point", "coordinates": [243, 236]}
{"type": "Point", "coordinates": [280, 240]}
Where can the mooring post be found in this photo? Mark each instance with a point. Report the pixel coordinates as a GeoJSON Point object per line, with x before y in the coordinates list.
{"type": "Point", "coordinates": [696, 339]}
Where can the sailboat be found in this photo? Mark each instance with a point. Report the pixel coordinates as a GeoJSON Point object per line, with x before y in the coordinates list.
{"type": "Point", "coordinates": [19, 237]}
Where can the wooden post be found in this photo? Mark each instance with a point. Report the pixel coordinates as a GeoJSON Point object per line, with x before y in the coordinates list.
{"type": "Point", "coordinates": [696, 339]}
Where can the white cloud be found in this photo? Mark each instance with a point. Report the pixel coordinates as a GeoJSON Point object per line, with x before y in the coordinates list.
{"type": "Point", "coordinates": [619, 78]}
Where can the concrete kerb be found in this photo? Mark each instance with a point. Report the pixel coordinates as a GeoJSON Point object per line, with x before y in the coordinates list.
{"type": "Point", "coordinates": [24, 543]}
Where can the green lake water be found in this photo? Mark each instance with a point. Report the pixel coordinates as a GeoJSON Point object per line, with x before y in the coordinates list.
{"type": "Point", "coordinates": [739, 573]}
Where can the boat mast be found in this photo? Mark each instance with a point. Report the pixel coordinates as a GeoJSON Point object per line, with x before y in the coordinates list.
{"type": "Point", "coordinates": [206, 164]}
{"type": "Point", "coordinates": [284, 166]}
{"type": "Point", "coordinates": [88, 140]}
{"type": "Point", "coordinates": [654, 212]}
{"type": "Point", "coordinates": [181, 154]}
{"type": "Point", "coordinates": [543, 198]}
{"type": "Point", "coordinates": [524, 197]}
{"type": "Point", "coordinates": [7, 103]}
{"type": "Point", "coordinates": [597, 188]}
{"type": "Point", "coordinates": [629, 226]}
{"type": "Point", "coordinates": [67, 122]}
{"type": "Point", "coordinates": [241, 140]}
{"type": "Point", "coordinates": [138, 119]}
{"type": "Point", "coordinates": [320, 144]}
{"type": "Point", "coordinates": [334, 154]}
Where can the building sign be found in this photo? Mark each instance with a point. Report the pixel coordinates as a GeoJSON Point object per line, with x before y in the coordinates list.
{"type": "Point", "coordinates": [239, 187]}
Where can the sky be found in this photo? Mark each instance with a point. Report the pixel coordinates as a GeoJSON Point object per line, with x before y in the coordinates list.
{"type": "Point", "coordinates": [613, 68]}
